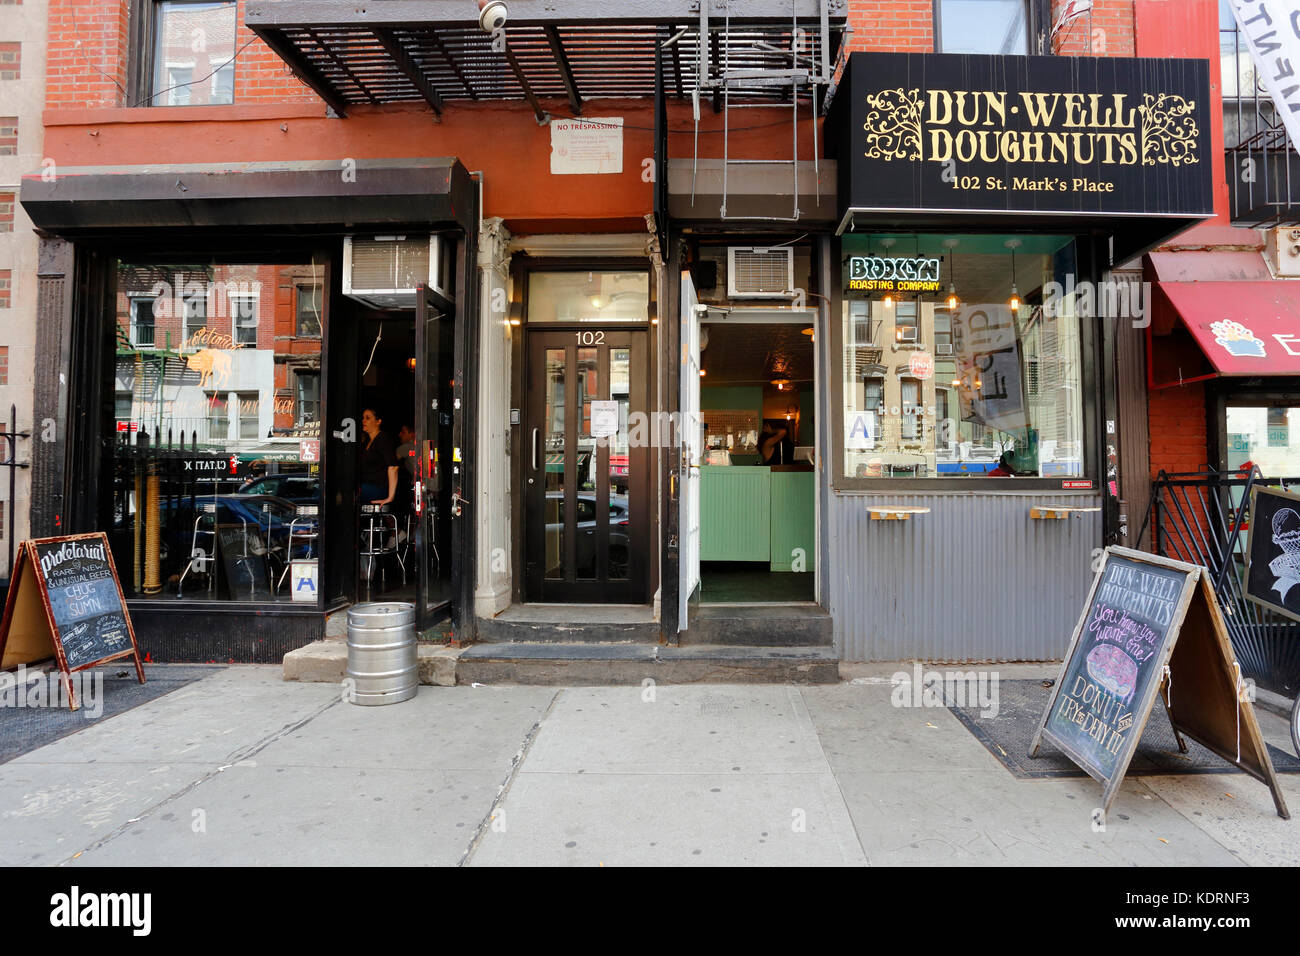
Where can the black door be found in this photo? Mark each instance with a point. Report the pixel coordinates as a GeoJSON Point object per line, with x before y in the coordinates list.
{"type": "Point", "coordinates": [439, 471]}
{"type": "Point", "coordinates": [586, 473]}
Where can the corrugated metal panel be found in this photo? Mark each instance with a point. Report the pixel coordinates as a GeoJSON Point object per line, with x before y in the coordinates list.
{"type": "Point", "coordinates": [976, 579]}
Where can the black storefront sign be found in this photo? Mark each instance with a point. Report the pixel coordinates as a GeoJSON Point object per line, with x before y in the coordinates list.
{"type": "Point", "coordinates": [1273, 551]}
{"type": "Point", "coordinates": [1039, 135]}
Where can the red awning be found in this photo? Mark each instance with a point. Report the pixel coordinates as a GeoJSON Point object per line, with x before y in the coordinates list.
{"type": "Point", "coordinates": [1244, 328]}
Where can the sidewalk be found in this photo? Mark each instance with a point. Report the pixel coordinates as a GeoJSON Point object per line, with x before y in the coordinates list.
{"type": "Point", "coordinates": [240, 768]}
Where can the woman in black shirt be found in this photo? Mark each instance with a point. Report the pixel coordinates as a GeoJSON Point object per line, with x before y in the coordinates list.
{"type": "Point", "coordinates": [378, 462]}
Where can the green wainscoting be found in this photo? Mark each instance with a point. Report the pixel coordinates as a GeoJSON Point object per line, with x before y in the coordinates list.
{"type": "Point", "coordinates": [794, 519]}
{"type": "Point", "coordinates": [735, 513]}
{"type": "Point", "coordinates": [756, 514]}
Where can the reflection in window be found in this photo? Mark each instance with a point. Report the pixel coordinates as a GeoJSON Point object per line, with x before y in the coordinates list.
{"type": "Point", "coordinates": [309, 310]}
{"type": "Point", "coordinates": [983, 26]}
{"type": "Point", "coordinates": [588, 296]}
{"type": "Point", "coordinates": [193, 54]}
{"type": "Point", "coordinates": [952, 392]}
{"type": "Point", "coordinates": [208, 429]}
{"type": "Point", "coordinates": [1268, 436]}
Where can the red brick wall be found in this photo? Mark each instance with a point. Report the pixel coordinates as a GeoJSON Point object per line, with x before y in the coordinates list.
{"type": "Point", "coordinates": [6, 212]}
{"type": "Point", "coordinates": [8, 135]}
{"type": "Point", "coordinates": [87, 59]}
{"type": "Point", "coordinates": [1177, 418]}
{"type": "Point", "coordinates": [1111, 26]}
{"type": "Point", "coordinates": [6, 287]}
{"type": "Point", "coordinates": [4, 365]}
{"type": "Point", "coordinates": [904, 26]}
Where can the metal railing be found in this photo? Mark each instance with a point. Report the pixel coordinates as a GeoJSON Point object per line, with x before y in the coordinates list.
{"type": "Point", "coordinates": [10, 437]}
{"type": "Point", "coordinates": [1203, 518]}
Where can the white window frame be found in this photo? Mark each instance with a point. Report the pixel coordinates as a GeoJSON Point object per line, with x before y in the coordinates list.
{"type": "Point", "coordinates": [256, 299]}
{"type": "Point", "coordinates": [152, 300]}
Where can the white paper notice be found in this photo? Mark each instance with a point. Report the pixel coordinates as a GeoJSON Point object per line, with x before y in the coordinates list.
{"type": "Point", "coordinates": [604, 419]}
{"type": "Point", "coordinates": [587, 146]}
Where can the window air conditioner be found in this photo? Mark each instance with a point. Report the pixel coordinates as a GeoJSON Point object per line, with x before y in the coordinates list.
{"type": "Point", "coordinates": [760, 273]}
{"type": "Point", "coordinates": [383, 271]}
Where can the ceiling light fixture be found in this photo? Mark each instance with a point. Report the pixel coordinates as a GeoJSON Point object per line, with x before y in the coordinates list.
{"type": "Point", "coordinates": [1014, 301]}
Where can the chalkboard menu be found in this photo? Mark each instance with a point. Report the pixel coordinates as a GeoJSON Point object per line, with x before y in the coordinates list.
{"type": "Point", "coordinates": [83, 597]}
{"type": "Point", "coordinates": [1117, 662]}
{"type": "Point", "coordinates": [65, 602]}
{"type": "Point", "coordinates": [1273, 551]}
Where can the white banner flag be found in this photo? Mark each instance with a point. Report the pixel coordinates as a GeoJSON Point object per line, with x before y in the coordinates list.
{"type": "Point", "coordinates": [1072, 10]}
{"type": "Point", "coordinates": [1272, 28]}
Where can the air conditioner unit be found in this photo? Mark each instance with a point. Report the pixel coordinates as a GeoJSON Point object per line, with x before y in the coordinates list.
{"type": "Point", "coordinates": [1283, 247]}
{"type": "Point", "coordinates": [383, 271]}
{"type": "Point", "coordinates": [943, 348]}
{"type": "Point", "coordinates": [760, 273]}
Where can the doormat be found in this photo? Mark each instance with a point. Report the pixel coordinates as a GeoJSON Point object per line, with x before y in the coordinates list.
{"type": "Point", "coordinates": [1020, 707]}
{"type": "Point", "coordinates": [27, 728]}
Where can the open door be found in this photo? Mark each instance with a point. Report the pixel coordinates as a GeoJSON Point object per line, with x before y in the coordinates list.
{"type": "Point", "coordinates": [437, 473]}
{"type": "Point", "coordinates": [692, 448]}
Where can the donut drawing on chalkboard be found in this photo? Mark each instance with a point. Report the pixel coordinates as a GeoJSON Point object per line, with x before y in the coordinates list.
{"type": "Point", "coordinates": [1114, 670]}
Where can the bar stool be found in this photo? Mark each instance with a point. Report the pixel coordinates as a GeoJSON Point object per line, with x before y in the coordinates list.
{"type": "Point", "coordinates": [201, 559]}
{"type": "Point", "coordinates": [304, 529]}
{"type": "Point", "coordinates": [379, 522]}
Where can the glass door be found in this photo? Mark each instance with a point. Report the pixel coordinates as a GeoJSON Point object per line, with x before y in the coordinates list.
{"type": "Point", "coordinates": [438, 469]}
{"type": "Point", "coordinates": [586, 471]}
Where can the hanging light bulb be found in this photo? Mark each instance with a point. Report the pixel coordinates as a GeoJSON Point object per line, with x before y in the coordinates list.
{"type": "Point", "coordinates": [1014, 301]}
{"type": "Point", "coordinates": [953, 299]}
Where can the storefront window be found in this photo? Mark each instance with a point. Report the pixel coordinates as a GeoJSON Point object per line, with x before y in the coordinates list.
{"type": "Point", "coordinates": [1267, 436]}
{"type": "Point", "coordinates": [215, 485]}
{"type": "Point", "coordinates": [588, 296]}
{"type": "Point", "coordinates": [982, 374]}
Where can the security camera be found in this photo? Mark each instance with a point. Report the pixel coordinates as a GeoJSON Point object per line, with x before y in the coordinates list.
{"type": "Point", "coordinates": [492, 15]}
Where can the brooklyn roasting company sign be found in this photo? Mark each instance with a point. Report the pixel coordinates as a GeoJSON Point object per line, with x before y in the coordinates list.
{"type": "Point", "coordinates": [1028, 134]}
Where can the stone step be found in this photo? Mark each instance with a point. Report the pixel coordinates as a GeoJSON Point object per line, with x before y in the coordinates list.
{"type": "Point", "coordinates": [534, 629]}
{"type": "Point", "coordinates": [581, 664]}
{"type": "Point", "coordinates": [326, 662]}
{"type": "Point", "coordinates": [752, 626]}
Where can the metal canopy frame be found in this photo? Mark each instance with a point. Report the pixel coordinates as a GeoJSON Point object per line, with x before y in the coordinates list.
{"type": "Point", "coordinates": [433, 51]}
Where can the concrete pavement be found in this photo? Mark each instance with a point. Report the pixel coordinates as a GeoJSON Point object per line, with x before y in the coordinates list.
{"type": "Point", "coordinates": [241, 768]}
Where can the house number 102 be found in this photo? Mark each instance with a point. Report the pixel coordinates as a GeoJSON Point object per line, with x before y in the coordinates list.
{"type": "Point", "coordinates": [590, 338]}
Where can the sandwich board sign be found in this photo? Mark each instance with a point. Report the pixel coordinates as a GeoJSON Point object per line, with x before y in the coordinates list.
{"type": "Point", "coordinates": [1151, 628]}
{"type": "Point", "coordinates": [1273, 551]}
{"type": "Point", "coordinates": [65, 602]}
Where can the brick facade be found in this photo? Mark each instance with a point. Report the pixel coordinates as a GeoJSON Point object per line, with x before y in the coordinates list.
{"type": "Point", "coordinates": [1109, 31]}
{"type": "Point", "coordinates": [904, 26]}
{"type": "Point", "coordinates": [1177, 420]}
{"type": "Point", "coordinates": [77, 78]}
{"type": "Point", "coordinates": [6, 287]}
{"type": "Point", "coordinates": [11, 57]}
{"type": "Point", "coordinates": [8, 135]}
{"type": "Point", "coordinates": [6, 212]}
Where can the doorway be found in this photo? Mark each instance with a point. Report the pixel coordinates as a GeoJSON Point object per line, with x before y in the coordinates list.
{"type": "Point", "coordinates": [586, 469]}
{"type": "Point", "coordinates": [758, 485]}
{"type": "Point", "coordinates": [407, 385]}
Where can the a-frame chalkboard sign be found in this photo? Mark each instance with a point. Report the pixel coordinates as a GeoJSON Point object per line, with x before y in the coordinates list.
{"type": "Point", "coordinates": [65, 602]}
{"type": "Point", "coordinates": [1151, 628]}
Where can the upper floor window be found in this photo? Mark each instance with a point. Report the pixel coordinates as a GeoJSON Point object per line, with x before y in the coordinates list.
{"type": "Point", "coordinates": [192, 52]}
{"type": "Point", "coordinates": [982, 26]}
{"type": "Point", "coordinates": [1247, 110]}
{"type": "Point", "coordinates": [309, 310]}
